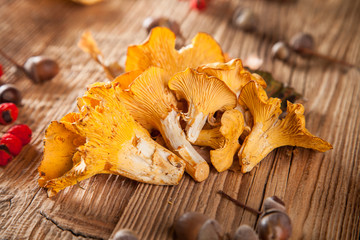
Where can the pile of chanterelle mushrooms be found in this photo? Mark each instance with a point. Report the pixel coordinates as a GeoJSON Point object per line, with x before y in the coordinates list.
{"type": "Point", "coordinates": [190, 97]}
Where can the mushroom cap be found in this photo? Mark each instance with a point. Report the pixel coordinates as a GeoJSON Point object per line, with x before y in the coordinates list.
{"type": "Point", "coordinates": [206, 94]}
{"type": "Point", "coordinates": [124, 80]}
{"type": "Point", "coordinates": [153, 105]}
{"type": "Point", "coordinates": [232, 73]}
{"type": "Point", "coordinates": [148, 98]}
{"type": "Point", "coordinates": [210, 138]}
{"type": "Point", "coordinates": [232, 125]}
{"type": "Point", "coordinates": [60, 145]}
{"type": "Point", "coordinates": [270, 132]}
{"type": "Point", "coordinates": [292, 130]}
{"type": "Point", "coordinates": [69, 119]}
{"type": "Point", "coordinates": [112, 142]}
{"type": "Point", "coordinates": [263, 109]}
{"type": "Point", "coordinates": [159, 51]}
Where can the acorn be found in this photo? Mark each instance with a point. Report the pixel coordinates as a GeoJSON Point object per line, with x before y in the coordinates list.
{"type": "Point", "coordinates": [38, 68]}
{"type": "Point", "coordinates": [125, 234]}
{"type": "Point", "coordinates": [274, 203]}
{"type": "Point", "coordinates": [280, 50]}
{"type": "Point", "coordinates": [245, 19]}
{"type": "Point", "coordinates": [245, 232]}
{"type": "Point", "coordinates": [9, 93]}
{"type": "Point", "coordinates": [274, 225]}
{"type": "Point", "coordinates": [302, 41]}
{"type": "Point", "coordinates": [197, 226]}
{"type": "Point", "coordinates": [41, 69]}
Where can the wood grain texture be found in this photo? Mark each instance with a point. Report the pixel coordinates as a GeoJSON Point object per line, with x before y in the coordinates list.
{"type": "Point", "coordinates": [321, 190]}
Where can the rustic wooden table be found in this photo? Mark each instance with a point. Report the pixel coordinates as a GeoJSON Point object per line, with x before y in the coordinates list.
{"type": "Point", "coordinates": [321, 190]}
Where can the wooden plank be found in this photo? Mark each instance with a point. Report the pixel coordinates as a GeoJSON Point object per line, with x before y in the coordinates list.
{"type": "Point", "coordinates": [321, 190]}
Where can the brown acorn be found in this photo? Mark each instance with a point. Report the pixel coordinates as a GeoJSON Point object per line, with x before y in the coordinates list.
{"type": "Point", "coordinates": [125, 234]}
{"type": "Point", "coordinates": [302, 41]}
{"type": "Point", "coordinates": [41, 69]}
{"type": "Point", "coordinates": [274, 225]}
{"type": "Point", "coordinates": [197, 226]}
{"type": "Point", "coordinates": [245, 232]}
{"type": "Point", "coordinates": [280, 50]}
{"type": "Point", "coordinates": [9, 93]}
{"type": "Point", "coordinates": [245, 19]}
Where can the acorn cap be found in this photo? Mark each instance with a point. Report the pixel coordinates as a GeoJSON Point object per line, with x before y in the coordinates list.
{"type": "Point", "coordinates": [210, 230]}
{"type": "Point", "coordinates": [274, 224]}
{"type": "Point", "coordinates": [245, 232]}
{"type": "Point", "coordinates": [197, 226]}
{"type": "Point", "coordinates": [9, 93]}
{"type": "Point", "coordinates": [125, 234]}
{"type": "Point", "coordinates": [274, 203]}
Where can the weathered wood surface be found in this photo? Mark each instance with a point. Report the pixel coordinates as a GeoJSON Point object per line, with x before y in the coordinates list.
{"type": "Point", "coordinates": [321, 191]}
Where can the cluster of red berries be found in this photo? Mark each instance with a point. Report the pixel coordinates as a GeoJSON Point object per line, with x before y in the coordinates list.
{"type": "Point", "coordinates": [16, 137]}
{"type": "Point", "coordinates": [12, 142]}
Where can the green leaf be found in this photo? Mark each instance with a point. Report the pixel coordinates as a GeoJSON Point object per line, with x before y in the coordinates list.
{"type": "Point", "coordinates": [277, 89]}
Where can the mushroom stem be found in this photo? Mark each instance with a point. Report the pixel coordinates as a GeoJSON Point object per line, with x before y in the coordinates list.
{"type": "Point", "coordinates": [194, 127]}
{"type": "Point", "coordinates": [250, 209]}
{"type": "Point", "coordinates": [174, 136]}
{"type": "Point", "coordinates": [143, 161]}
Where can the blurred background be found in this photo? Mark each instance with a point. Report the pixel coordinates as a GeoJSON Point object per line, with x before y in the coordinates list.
{"type": "Point", "coordinates": [322, 65]}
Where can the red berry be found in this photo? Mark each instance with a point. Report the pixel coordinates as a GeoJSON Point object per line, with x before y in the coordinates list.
{"type": "Point", "coordinates": [8, 113]}
{"type": "Point", "coordinates": [1, 70]}
{"type": "Point", "coordinates": [5, 157]}
{"type": "Point", "coordinates": [12, 142]}
{"type": "Point", "coordinates": [22, 131]}
{"type": "Point", "coordinates": [198, 4]}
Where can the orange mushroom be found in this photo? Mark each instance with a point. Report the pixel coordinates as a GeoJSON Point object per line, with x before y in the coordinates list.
{"type": "Point", "coordinates": [153, 105]}
{"type": "Point", "coordinates": [106, 139]}
{"type": "Point", "coordinates": [232, 73]}
{"type": "Point", "coordinates": [205, 95]}
{"type": "Point", "coordinates": [223, 139]}
{"type": "Point", "coordinates": [159, 51]}
{"type": "Point", "coordinates": [270, 132]}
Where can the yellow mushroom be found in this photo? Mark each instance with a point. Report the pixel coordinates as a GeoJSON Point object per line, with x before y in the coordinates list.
{"type": "Point", "coordinates": [124, 80]}
{"type": "Point", "coordinates": [153, 105]}
{"type": "Point", "coordinates": [60, 146]}
{"type": "Point", "coordinates": [224, 139]}
{"type": "Point", "coordinates": [210, 138]}
{"type": "Point", "coordinates": [235, 76]}
{"type": "Point", "coordinates": [114, 144]}
{"type": "Point", "coordinates": [205, 95]}
{"type": "Point", "coordinates": [69, 119]}
{"type": "Point", "coordinates": [232, 73]}
{"type": "Point", "coordinates": [159, 51]}
{"type": "Point", "coordinates": [232, 125]}
{"type": "Point", "coordinates": [270, 132]}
